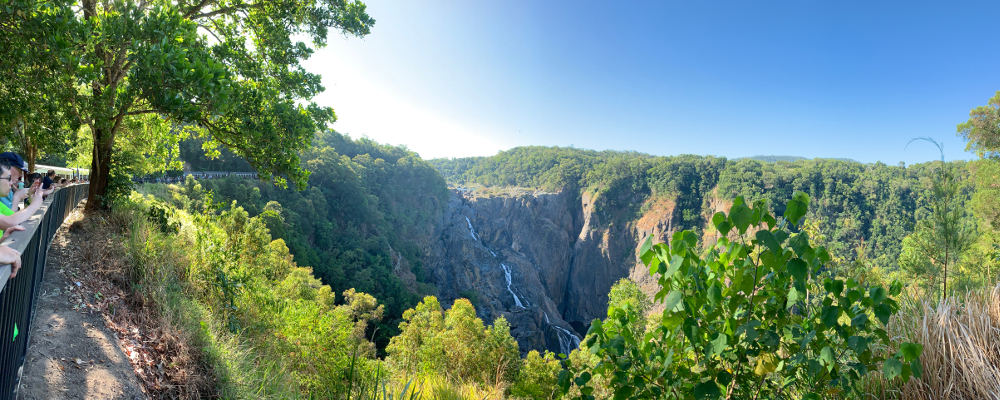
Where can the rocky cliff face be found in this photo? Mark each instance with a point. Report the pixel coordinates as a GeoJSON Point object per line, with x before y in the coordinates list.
{"type": "Point", "coordinates": [543, 261]}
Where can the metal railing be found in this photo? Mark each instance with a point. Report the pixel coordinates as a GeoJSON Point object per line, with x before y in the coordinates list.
{"type": "Point", "coordinates": [19, 295]}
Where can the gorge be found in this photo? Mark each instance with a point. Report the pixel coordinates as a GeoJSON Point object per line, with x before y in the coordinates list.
{"type": "Point", "coordinates": [544, 261]}
{"type": "Point", "coordinates": [539, 235]}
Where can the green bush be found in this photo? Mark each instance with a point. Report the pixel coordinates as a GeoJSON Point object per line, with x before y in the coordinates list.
{"type": "Point", "coordinates": [454, 344]}
{"type": "Point", "coordinates": [537, 378]}
{"type": "Point", "coordinates": [750, 318]}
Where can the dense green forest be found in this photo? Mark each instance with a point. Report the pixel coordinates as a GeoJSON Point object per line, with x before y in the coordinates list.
{"type": "Point", "coordinates": [863, 210]}
{"type": "Point", "coordinates": [363, 199]}
{"type": "Point", "coordinates": [863, 224]}
{"type": "Point", "coordinates": [787, 278]}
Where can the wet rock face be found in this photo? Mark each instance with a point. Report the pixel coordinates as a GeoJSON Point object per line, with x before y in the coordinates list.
{"type": "Point", "coordinates": [543, 261]}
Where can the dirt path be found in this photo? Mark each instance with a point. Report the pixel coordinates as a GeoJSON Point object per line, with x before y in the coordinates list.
{"type": "Point", "coordinates": [72, 354]}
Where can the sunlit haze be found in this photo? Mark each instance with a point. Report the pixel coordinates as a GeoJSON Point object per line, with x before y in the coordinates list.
{"type": "Point", "coordinates": [727, 78]}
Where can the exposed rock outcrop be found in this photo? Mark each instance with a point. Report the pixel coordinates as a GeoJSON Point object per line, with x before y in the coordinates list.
{"type": "Point", "coordinates": [543, 261]}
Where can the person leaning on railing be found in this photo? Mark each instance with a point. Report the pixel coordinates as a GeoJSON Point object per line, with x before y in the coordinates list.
{"type": "Point", "coordinates": [18, 170]}
{"type": "Point", "coordinates": [8, 217]}
{"type": "Point", "coordinates": [9, 220]}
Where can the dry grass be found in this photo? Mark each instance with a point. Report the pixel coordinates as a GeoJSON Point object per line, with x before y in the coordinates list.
{"type": "Point", "coordinates": [961, 339]}
{"type": "Point", "coordinates": [162, 355]}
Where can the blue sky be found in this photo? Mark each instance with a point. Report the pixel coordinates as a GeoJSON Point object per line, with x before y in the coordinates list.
{"type": "Point", "coordinates": [847, 79]}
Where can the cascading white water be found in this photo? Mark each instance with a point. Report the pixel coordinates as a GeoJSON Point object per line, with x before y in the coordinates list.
{"type": "Point", "coordinates": [506, 272]}
{"type": "Point", "coordinates": [567, 340]}
{"type": "Point", "coordinates": [491, 252]}
{"type": "Point", "coordinates": [471, 231]}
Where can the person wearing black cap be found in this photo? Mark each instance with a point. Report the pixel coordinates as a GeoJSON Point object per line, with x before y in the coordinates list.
{"type": "Point", "coordinates": [8, 216]}
{"type": "Point", "coordinates": [17, 171]}
{"type": "Point", "coordinates": [10, 221]}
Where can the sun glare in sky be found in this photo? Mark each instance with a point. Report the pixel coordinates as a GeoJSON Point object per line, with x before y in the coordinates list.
{"type": "Point", "coordinates": [728, 78]}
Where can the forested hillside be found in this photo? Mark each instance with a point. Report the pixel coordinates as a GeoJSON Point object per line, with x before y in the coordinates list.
{"type": "Point", "coordinates": [862, 210]}
{"type": "Point", "coordinates": [366, 205]}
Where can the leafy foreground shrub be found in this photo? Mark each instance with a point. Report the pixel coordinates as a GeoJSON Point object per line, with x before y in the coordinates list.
{"type": "Point", "coordinates": [753, 318]}
{"type": "Point", "coordinates": [267, 327]}
{"type": "Point", "coordinates": [454, 344]}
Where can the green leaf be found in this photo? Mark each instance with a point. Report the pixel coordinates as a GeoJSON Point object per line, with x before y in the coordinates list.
{"type": "Point", "coordinates": [800, 244]}
{"type": "Point", "coordinates": [770, 221]}
{"type": "Point", "coordinates": [644, 252]}
{"type": "Point", "coordinates": [883, 312]}
{"type": "Point", "coordinates": [714, 294]}
{"type": "Point", "coordinates": [564, 380]}
{"type": "Point", "coordinates": [835, 286]}
{"type": "Point", "coordinates": [892, 368]}
{"type": "Point", "coordinates": [596, 327]}
{"type": "Point", "coordinates": [857, 343]}
{"type": "Point", "coordinates": [911, 351]}
{"type": "Point", "coordinates": [750, 329]}
{"type": "Point", "coordinates": [719, 344]}
{"type": "Point", "coordinates": [707, 391]}
{"type": "Point", "coordinates": [582, 379]}
{"type": "Point", "coordinates": [896, 288]}
{"type": "Point", "coordinates": [830, 315]}
{"type": "Point", "coordinates": [878, 294]}
{"type": "Point", "coordinates": [740, 215]}
{"type": "Point", "coordinates": [675, 264]}
{"type": "Point", "coordinates": [797, 207]}
{"type": "Point", "coordinates": [672, 322]}
{"type": "Point", "coordinates": [859, 321]}
{"type": "Point", "coordinates": [724, 378]}
{"type": "Point", "coordinates": [811, 396]}
{"type": "Point", "coordinates": [692, 330]}
{"type": "Point", "coordinates": [799, 269]}
{"type": "Point", "coordinates": [768, 239]}
{"type": "Point", "coordinates": [828, 356]}
{"type": "Point", "coordinates": [793, 297]}
{"type": "Point", "coordinates": [672, 300]}
{"type": "Point", "coordinates": [623, 392]}
{"type": "Point", "coordinates": [689, 237]}
{"type": "Point", "coordinates": [718, 218]}
{"type": "Point", "coordinates": [724, 228]}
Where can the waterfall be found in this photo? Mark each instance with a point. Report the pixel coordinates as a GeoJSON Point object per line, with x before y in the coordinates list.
{"type": "Point", "coordinates": [491, 252]}
{"type": "Point", "coordinates": [567, 340]}
{"type": "Point", "coordinates": [471, 231]}
{"type": "Point", "coordinates": [506, 272]}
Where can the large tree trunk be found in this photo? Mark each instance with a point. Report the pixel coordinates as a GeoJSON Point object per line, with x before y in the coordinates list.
{"type": "Point", "coordinates": [31, 153]}
{"type": "Point", "coordinates": [100, 169]}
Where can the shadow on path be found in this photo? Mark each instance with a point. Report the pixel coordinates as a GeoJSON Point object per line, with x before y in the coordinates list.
{"type": "Point", "coordinates": [72, 354]}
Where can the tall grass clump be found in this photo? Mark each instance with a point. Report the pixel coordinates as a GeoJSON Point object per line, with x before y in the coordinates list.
{"type": "Point", "coordinates": [961, 341]}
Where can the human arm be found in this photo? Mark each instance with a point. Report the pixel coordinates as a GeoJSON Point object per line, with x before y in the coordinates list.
{"type": "Point", "coordinates": [7, 221]}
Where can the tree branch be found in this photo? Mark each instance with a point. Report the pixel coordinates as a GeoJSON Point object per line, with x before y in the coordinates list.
{"type": "Point", "coordinates": [194, 10]}
{"type": "Point", "coordinates": [226, 10]}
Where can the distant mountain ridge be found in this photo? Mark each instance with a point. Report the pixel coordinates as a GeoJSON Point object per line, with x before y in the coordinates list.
{"type": "Point", "coordinates": [772, 159]}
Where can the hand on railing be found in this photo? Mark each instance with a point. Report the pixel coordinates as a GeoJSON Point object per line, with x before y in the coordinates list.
{"type": "Point", "coordinates": [12, 257]}
{"type": "Point", "coordinates": [6, 233]}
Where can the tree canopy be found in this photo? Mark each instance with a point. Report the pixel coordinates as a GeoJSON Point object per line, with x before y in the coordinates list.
{"type": "Point", "coordinates": [982, 130]}
{"type": "Point", "coordinates": [226, 71]}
